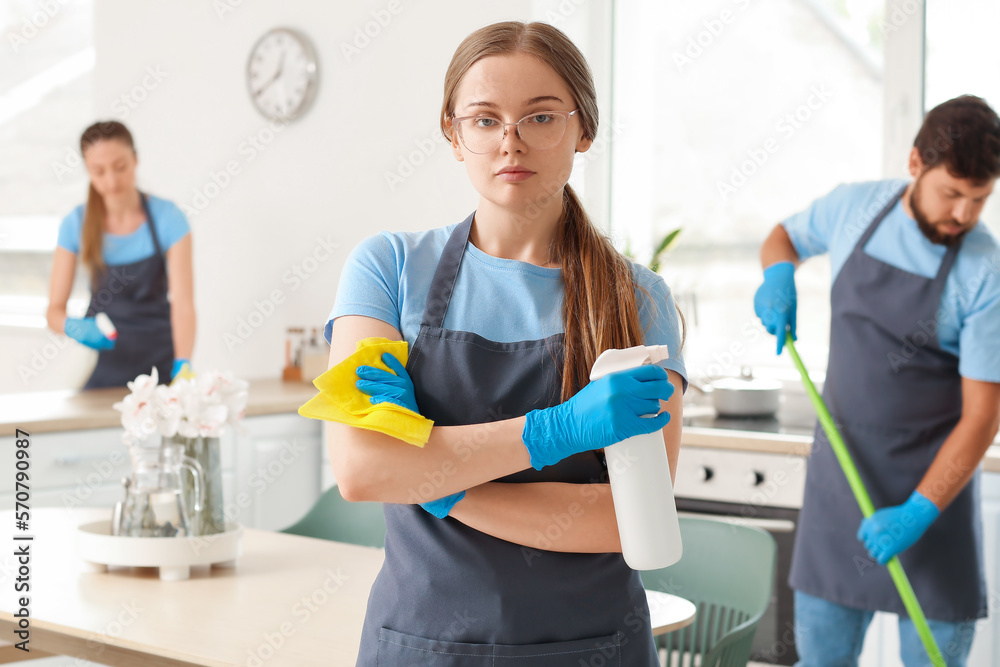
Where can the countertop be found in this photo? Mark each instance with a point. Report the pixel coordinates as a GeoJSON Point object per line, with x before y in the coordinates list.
{"type": "Point", "coordinates": [777, 443]}
{"type": "Point", "coordinates": [72, 410]}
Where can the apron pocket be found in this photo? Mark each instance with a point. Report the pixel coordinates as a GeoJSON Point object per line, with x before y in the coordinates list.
{"type": "Point", "coordinates": [396, 649]}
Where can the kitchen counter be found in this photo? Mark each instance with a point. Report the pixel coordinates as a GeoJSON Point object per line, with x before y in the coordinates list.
{"type": "Point", "coordinates": [779, 443]}
{"type": "Point", "coordinates": [71, 410]}
{"type": "Point", "coordinates": [68, 410]}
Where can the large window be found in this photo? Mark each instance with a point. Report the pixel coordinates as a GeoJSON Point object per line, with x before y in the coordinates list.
{"type": "Point", "coordinates": [734, 115]}
{"type": "Point", "coordinates": [46, 101]}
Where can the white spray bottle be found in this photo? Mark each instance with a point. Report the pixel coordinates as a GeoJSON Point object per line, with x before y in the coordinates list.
{"type": "Point", "coordinates": [639, 472]}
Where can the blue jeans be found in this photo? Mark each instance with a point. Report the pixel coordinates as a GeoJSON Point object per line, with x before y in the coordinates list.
{"type": "Point", "coordinates": [831, 635]}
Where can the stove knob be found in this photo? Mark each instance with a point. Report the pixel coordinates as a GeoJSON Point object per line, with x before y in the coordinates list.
{"type": "Point", "coordinates": [705, 474]}
{"type": "Point", "coordinates": [755, 478]}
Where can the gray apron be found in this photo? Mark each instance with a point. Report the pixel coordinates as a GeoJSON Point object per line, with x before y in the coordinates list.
{"type": "Point", "coordinates": [895, 396]}
{"type": "Point", "coordinates": [450, 596]}
{"type": "Point", "coordinates": [134, 296]}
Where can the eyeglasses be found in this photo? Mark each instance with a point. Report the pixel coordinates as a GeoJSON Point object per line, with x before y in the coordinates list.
{"type": "Point", "coordinates": [540, 131]}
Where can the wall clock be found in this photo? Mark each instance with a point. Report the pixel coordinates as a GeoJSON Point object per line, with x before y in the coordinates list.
{"type": "Point", "coordinates": [282, 74]}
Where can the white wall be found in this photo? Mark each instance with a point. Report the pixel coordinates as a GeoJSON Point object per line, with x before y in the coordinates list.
{"type": "Point", "coordinates": [181, 65]}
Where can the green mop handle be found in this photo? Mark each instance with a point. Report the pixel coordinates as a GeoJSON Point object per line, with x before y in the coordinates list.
{"type": "Point", "coordinates": [867, 509]}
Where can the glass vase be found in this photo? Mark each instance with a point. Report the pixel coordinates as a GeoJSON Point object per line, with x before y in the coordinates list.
{"type": "Point", "coordinates": [207, 452]}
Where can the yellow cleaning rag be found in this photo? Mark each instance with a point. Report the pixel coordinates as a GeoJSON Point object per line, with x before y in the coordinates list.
{"type": "Point", "coordinates": [341, 401]}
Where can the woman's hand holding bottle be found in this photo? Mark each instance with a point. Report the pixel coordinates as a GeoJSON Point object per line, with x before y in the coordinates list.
{"type": "Point", "coordinates": [607, 410]}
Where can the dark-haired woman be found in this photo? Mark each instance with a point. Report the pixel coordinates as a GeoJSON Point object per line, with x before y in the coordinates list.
{"type": "Point", "coordinates": [137, 249]}
{"type": "Point", "coordinates": [501, 537]}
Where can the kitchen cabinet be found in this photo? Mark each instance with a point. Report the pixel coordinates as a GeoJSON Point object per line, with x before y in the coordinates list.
{"type": "Point", "coordinates": [271, 473]}
{"type": "Point", "coordinates": [70, 468]}
{"type": "Point", "coordinates": [278, 471]}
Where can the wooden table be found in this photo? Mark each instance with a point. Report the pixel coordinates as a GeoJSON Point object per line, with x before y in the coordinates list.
{"type": "Point", "coordinates": [290, 601]}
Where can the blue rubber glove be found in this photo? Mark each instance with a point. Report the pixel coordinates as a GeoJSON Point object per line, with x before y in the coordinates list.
{"type": "Point", "coordinates": [386, 387]}
{"type": "Point", "coordinates": [178, 365]}
{"type": "Point", "coordinates": [397, 388]}
{"type": "Point", "coordinates": [85, 331]}
{"type": "Point", "coordinates": [775, 301]}
{"type": "Point", "coordinates": [607, 410]}
{"type": "Point", "coordinates": [442, 506]}
{"type": "Point", "coordinates": [893, 530]}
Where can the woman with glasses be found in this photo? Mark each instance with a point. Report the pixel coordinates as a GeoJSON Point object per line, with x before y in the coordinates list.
{"type": "Point", "coordinates": [137, 249]}
{"type": "Point", "coordinates": [501, 535]}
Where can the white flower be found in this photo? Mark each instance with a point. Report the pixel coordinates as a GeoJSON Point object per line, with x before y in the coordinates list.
{"type": "Point", "coordinates": [168, 410]}
{"type": "Point", "coordinates": [190, 407]}
{"type": "Point", "coordinates": [139, 408]}
{"type": "Point", "coordinates": [144, 385]}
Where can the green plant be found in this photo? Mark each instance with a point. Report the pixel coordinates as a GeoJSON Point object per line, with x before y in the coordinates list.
{"type": "Point", "coordinates": [665, 245]}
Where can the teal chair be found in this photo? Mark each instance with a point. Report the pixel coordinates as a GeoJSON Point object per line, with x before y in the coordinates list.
{"type": "Point", "coordinates": [727, 571]}
{"type": "Point", "coordinates": [333, 518]}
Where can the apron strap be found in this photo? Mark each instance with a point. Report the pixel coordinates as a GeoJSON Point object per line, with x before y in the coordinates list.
{"type": "Point", "coordinates": [948, 261]}
{"type": "Point", "coordinates": [152, 225]}
{"type": "Point", "coordinates": [867, 234]}
{"type": "Point", "coordinates": [446, 274]}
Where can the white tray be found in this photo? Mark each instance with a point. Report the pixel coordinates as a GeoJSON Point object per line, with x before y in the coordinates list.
{"type": "Point", "coordinates": [98, 549]}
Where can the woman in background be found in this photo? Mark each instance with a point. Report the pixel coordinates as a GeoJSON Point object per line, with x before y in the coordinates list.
{"type": "Point", "coordinates": [137, 250]}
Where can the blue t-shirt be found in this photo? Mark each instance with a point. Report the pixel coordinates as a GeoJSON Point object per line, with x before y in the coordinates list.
{"type": "Point", "coordinates": [969, 313]}
{"type": "Point", "coordinates": [171, 227]}
{"type": "Point", "coordinates": [388, 277]}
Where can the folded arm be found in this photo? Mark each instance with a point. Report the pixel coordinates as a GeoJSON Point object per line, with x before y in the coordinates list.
{"type": "Point", "coordinates": [374, 466]}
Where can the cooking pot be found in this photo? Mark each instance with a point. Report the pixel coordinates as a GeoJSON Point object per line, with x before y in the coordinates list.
{"type": "Point", "coordinates": [743, 396]}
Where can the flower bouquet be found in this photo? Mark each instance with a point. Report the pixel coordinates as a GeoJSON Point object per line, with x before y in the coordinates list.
{"type": "Point", "coordinates": [192, 412]}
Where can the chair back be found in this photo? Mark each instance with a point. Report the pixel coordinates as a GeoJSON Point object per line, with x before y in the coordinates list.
{"type": "Point", "coordinates": [333, 518]}
{"type": "Point", "coordinates": [727, 571]}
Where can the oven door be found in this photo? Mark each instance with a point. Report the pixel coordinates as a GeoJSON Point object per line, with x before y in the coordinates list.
{"type": "Point", "coordinates": [775, 639]}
